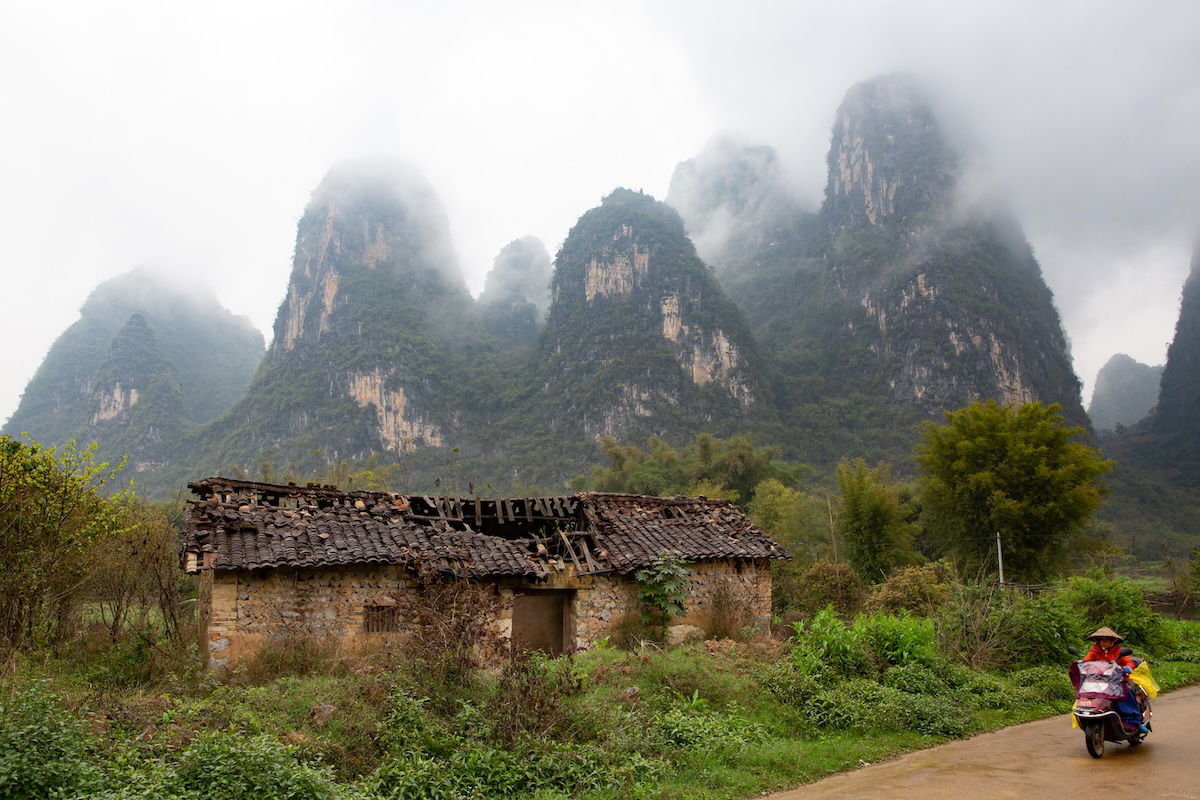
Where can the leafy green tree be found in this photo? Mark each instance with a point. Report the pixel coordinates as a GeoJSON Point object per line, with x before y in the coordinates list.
{"type": "Point", "coordinates": [52, 519]}
{"type": "Point", "coordinates": [728, 468]}
{"type": "Point", "coordinates": [1014, 470]}
{"type": "Point", "coordinates": [798, 522]}
{"type": "Point", "coordinates": [873, 524]}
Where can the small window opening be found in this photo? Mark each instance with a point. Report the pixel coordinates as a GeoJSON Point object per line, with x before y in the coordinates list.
{"type": "Point", "coordinates": [381, 619]}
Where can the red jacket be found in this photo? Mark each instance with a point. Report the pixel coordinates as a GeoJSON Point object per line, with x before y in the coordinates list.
{"type": "Point", "coordinates": [1097, 653]}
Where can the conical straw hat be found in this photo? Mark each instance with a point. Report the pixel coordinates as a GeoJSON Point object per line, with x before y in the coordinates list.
{"type": "Point", "coordinates": [1106, 633]}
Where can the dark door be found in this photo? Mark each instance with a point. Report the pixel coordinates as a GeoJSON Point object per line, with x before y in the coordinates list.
{"type": "Point", "coordinates": [540, 619]}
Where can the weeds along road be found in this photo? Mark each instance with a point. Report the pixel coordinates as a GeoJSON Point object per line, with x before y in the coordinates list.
{"type": "Point", "coordinates": [1040, 759]}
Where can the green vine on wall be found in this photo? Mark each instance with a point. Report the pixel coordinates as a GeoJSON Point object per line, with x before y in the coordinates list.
{"type": "Point", "coordinates": [663, 587]}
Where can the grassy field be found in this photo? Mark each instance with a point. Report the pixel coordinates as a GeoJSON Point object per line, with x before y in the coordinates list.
{"type": "Point", "coordinates": [717, 719]}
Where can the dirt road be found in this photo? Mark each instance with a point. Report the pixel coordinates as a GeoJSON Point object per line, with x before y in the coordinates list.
{"type": "Point", "coordinates": [1040, 759]}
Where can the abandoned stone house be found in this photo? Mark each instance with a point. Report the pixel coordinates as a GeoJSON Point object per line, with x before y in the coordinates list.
{"type": "Point", "coordinates": [280, 561]}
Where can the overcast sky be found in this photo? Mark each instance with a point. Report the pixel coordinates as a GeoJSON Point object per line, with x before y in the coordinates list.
{"type": "Point", "coordinates": [188, 136]}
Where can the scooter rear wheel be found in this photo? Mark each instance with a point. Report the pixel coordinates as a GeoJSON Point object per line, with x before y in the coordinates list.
{"type": "Point", "coordinates": [1093, 737]}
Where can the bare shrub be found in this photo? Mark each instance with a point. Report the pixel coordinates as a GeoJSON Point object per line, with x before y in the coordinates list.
{"type": "Point", "coordinates": [453, 627]}
{"type": "Point", "coordinates": [976, 626]}
{"type": "Point", "coordinates": [729, 613]}
{"type": "Point", "coordinates": [294, 655]}
{"type": "Point", "coordinates": [829, 583]}
{"type": "Point", "coordinates": [529, 696]}
{"type": "Point", "coordinates": [631, 631]}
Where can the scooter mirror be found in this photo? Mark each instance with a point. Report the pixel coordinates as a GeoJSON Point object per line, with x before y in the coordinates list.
{"type": "Point", "coordinates": [1126, 651]}
{"type": "Point", "coordinates": [1071, 649]}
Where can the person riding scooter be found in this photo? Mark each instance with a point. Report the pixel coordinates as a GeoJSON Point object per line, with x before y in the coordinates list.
{"type": "Point", "coordinates": [1106, 646]}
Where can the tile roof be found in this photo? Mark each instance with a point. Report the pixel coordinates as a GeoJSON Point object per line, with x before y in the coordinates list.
{"type": "Point", "coordinates": [245, 525]}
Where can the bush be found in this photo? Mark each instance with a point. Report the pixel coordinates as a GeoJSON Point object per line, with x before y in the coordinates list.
{"type": "Point", "coordinates": [914, 678]}
{"type": "Point", "coordinates": [529, 696]}
{"type": "Point", "coordinates": [690, 725]}
{"type": "Point", "coordinates": [826, 645]}
{"type": "Point", "coordinates": [1043, 628]}
{"type": "Point", "coordinates": [43, 749]}
{"type": "Point", "coordinates": [893, 639]}
{"type": "Point", "coordinates": [827, 583]}
{"type": "Point", "coordinates": [1121, 606]}
{"type": "Point", "coordinates": [224, 765]}
{"type": "Point", "coordinates": [918, 590]}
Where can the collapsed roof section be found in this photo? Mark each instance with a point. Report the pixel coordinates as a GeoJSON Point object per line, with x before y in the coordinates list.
{"type": "Point", "coordinates": [244, 525]}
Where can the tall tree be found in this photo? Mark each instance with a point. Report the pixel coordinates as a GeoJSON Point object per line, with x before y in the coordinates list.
{"type": "Point", "coordinates": [1013, 470]}
{"type": "Point", "coordinates": [873, 524]}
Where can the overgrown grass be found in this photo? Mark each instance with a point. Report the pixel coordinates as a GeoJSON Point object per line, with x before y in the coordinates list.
{"type": "Point", "coordinates": [708, 720]}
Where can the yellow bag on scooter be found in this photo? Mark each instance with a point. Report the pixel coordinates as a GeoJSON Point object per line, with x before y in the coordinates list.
{"type": "Point", "coordinates": [1141, 676]}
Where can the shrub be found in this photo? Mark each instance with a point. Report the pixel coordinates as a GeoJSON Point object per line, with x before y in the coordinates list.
{"type": "Point", "coordinates": [975, 627]}
{"type": "Point", "coordinates": [630, 632]}
{"type": "Point", "coordinates": [690, 725]}
{"type": "Point", "coordinates": [786, 683]}
{"type": "Point", "coordinates": [224, 765]}
{"type": "Point", "coordinates": [914, 678]}
{"type": "Point", "coordinates": [1045, 684]}
{"type": "Point", "coordinates": [529, 695]}
{"type": "Point", "coordinates": [918, 590]}
{"type": "Point", "coordinates": [825, 644]}
{"type": "Point", "coordinates": [43, 749]}
{"type": "Point", "coordinates": [1121, 606]}
{"type": "Point", "coordinates": [452, 630]}
{"type": "Point", "coordinates": [827, 583]}
{"type": "Point", "coordinates": [291, 655]}
{"type": "Point", "coordinates": [662, 588]}
{"type": "Point", "coordinates": [729, 614]}
{"type": "Point", "coordinates": [1043, 628]}
{"type": "Point", "coordinates": [892, 639]}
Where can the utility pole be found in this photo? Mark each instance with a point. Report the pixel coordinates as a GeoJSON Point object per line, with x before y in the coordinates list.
{"type": "Point", "coordinates": [1000, 557]}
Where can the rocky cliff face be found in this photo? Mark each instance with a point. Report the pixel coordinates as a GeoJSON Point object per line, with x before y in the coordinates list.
{"type": "Point", "coordinates": [640, 339]}
{"type": "Point", "coordinates": [897, 300]}
{"type": "Point", "coordinates": [145, 362]}
{"type": "Point", "coordinates": [953, 304]}
{"type": "Point", "coordinates": [1126, 391]}
{"type": "Point", "coordinates": [1178, 412]}
{"type": "Point", "coordinates": [888, 160]}
{"type": "Point", "coordinates": [369, 338]}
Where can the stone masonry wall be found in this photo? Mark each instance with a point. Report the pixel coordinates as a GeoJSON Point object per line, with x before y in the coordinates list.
{"type": "Point", "coordinates": [249, 608]}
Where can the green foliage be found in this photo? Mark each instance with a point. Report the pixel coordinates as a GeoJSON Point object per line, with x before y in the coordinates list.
{"type": "Point", "coordinates": [44, 751]}
{"type": "Point", "coordinates": [728, 468]}
{"type": "Point", "coordinates": [52, 521]}
{"type": "Point", "coordinates": [662, 587]}
{"type": "Point", "coordinates": [829, 583]}
{"type": "Point", "coordinates": [897, 639]}
{"type": "Point", "coordinates": [825, 644]}
{"type": "Point", "coordinates": [1011, 469]}
{"type": "Point", "coordinates": [919, 590]}
{"type": "Point", "coordinates": [1120, 605]}
{"type": "Point", "coordinates": [873, 524]}
{"type": "Point", "coordinates": [690, 725]}
{"type": "Point", "coordinates": [226, 765]}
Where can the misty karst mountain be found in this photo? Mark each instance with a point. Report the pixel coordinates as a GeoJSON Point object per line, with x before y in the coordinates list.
{"type": "Point", "coordinates": [145, 362]}
{"type": "Point", "coordinates": [368, 343]}
{"type": "Point", "coordinates": [903, 299]}
{"type": "Point", "coordinates": [1126, 391]}
{"type": "Point", "coordinates": [516, 292]}
{"type": "Point", "coordinates": [826, 332]}
{"type": "Point", "coordinates": [641, 339]}
{"type": "Point", "coordinates": [1178, 414]}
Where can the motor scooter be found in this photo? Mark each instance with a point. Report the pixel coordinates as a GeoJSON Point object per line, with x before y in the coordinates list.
{"type": "Point", "coordinates": [1098, 687]}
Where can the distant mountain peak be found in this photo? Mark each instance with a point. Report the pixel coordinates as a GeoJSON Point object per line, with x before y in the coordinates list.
{"type": "Point", "coordinates": [888, 159]}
